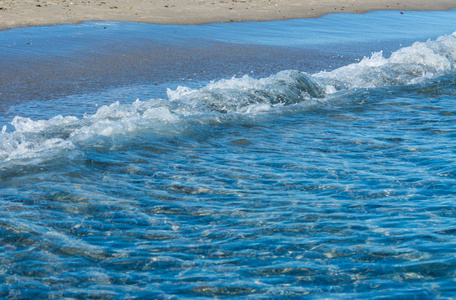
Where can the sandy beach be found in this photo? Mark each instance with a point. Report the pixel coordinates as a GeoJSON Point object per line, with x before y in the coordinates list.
{"type": "Point", "coordinates": [22, 13]}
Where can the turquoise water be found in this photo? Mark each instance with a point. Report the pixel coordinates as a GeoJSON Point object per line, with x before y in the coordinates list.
{"type": "Point", "coordinates": [246, 160]}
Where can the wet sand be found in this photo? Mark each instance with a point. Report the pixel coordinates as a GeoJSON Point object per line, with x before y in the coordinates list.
{"type": "Point", "coordinates": [15, 13]}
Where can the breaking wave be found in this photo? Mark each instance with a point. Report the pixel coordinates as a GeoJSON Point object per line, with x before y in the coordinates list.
{"type": "Point", "coordinates": [37, 140]}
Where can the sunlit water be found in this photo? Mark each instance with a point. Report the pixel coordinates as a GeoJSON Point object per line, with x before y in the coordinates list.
{"type": "Point", "coordinates": [337, 180]}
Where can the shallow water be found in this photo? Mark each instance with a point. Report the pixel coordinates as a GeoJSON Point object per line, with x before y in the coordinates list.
{"type": "Point", "coordinates": [334, 178]}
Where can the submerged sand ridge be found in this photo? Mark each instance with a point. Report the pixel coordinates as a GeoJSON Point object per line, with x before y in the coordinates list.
{"type": "Point", "coordinates": [21, 13]}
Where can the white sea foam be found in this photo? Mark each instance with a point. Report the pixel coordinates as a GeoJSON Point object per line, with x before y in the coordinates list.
{"type": "Point", "coordinates": [236, 96]}
{"type": "Point", "coordinates": [409, 65]}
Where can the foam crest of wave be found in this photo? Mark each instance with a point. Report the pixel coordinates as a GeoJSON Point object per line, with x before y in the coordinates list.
{"type": "Point", "coordinates": [33, 139]}
{"type": "Point", "coordinates": [240, 95]}
{"type": "Point", "coordinates": [408, 65]}
{"type": "Point", "coordinates": [236, 96]}
{"type": "Point", "coordinates": [117, 119]}
{"type": "Point", "coordinates": [42, 139]}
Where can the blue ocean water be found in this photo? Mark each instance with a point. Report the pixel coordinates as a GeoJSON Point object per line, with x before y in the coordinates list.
{"type": "Point", "coordinates": [247, 160]}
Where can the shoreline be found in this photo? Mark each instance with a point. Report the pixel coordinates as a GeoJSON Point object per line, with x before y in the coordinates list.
{"type": "Point", "coordinates": [191, 12]}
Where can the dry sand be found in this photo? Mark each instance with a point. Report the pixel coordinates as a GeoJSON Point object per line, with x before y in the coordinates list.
{"type": "Point", "coordinates": [20, 13]}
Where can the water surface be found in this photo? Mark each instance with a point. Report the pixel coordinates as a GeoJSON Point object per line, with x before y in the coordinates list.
{"type": "Point", "coordinates": [250, 160]}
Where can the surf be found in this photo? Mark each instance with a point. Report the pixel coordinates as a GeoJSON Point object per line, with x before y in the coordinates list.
{"type": "Point", "coordinates": [219, 101]}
